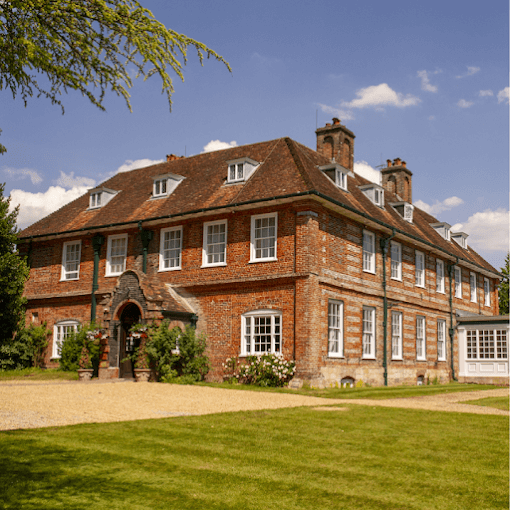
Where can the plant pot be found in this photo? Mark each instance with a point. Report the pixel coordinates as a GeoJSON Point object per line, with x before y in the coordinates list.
{"type": "Point", "coordinates": [85, 374]}
{"type": "Point", "coordinates": [142, 374]}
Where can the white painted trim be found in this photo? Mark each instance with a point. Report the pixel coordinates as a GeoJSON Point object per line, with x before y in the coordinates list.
{"type": "Point", "coordinates": [109, 255]}
{"type": "Point", "coordinates": [64, 272]}
{"type": "Point", "coordinates": [204, 244]}
{"type": "Point", "coordinates": [161, 248]}
{"type": "Point", "coordinates": [254, 218]}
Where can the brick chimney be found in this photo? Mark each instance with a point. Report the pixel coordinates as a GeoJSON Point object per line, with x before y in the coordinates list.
{"type": "Point", "coordinates": [336, 142]}
{"type": "Point", "coordinates": [172, 157]}
{"type": "Point", "coordinates": [397, 179]}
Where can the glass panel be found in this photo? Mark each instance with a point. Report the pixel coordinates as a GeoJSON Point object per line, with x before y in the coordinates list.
{"type": "Point", "coordinates": [172, 248]}
{"type": "Point", "coordinates": [471, 344]}
{"type": "Point", "coordinates": [502, 345]}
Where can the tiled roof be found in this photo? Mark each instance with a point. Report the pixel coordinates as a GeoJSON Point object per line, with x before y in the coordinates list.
{"type": "Point", "coordinates": [286, 168]}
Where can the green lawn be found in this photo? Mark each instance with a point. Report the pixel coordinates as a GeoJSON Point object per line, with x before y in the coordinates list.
{"type": "Point", "coordinates": [497, 402]}
{"type": "Point", "coordinates": [37, 374]}
{"type": "Point", "coordinates": [367, 392]}
{"type": "Point", "coordinates": [362, 458]}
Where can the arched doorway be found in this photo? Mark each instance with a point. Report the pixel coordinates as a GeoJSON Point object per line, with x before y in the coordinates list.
{"type": "Point", "coordinates": [130, 315]}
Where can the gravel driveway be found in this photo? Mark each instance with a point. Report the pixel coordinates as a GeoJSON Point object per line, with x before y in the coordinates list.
{"type": "Point", "coordinates": [35, 404]}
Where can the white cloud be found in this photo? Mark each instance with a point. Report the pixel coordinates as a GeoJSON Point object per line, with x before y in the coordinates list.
{"type": "Point", "coordinates": [470, 71]}
{"type": "Point", "coordinates": [365, 170]}
{"type": "Point", "coordinates": [438, 207]}
{"type": "Point", "coordinates": [23, 173]}
{"type": "Point", "coordinates": [379, 96]}
{"type": "Point", "coordinates": [464, 104]}
{"type": "Point", "coordinates": [503, 95]}
{"type": "Point", "coordinates": [485, 93]}
{"type": "Point", "coordinates": [70, 181]}
{"type": "Point", "coordinates": [217, 145]}
{"type": "Point", "coordinates": [488, 230]}
{"type": "Point", "coordinates": [34, 206]}
{"type": "Point", "coordinates": [337, 112]}
{"type": "Point", "coordinates": [425, 82]}
{"type": "Point", "coordinates": [137, 163]}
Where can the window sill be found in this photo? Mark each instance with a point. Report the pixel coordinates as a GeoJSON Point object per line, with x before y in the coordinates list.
{"type": "Point", "coordinates": [421, 359]}
{"type": "Point", "coordinates": [332, 355]}
{"type": "Point", "coordinates": [440, 291]}
{"type": "Point", "coordinates": [157, 197]}
{"type": "Point", "coordinates": [69, 279]}
{"type": "Point", "coordinates": [396, 279]}
{"type": "Point", "coordinates": [419, 286]}
{"type": "Point", "coordinates": [165, 269]}
{"type": "Point", "coordinates": [397, 359]}
{"type": "Point", "coordinates": [368, 271]}
{"type": "Point", "coordinates": [366, 358]}
{"type": "Point", "coordinates": [255, 261]}
{"type": "Point", "coordinates": [442, 359]}
{"type": "Point", "coordinates": [220, 264]}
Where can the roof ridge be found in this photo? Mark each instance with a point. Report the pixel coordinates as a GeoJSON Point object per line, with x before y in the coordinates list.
{"type": "Point", "coordinates": [293, 149]}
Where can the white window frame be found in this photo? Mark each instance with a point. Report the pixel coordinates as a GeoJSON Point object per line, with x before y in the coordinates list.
{"type": "Point", "coordinates": [379, 197]}
{"type": "Point", "coordinates": [440, 276]}
{"type": "Point", "coordinates": [253, 243]}
{"type": "Point", "coordinates": [207, 246]}
{"type": "Point", "coordinates": [95, 200]}
{"type": "Point", "coordinates": [368, 332]}
{"type": "Point", "coordinates": [162, 259]}
{"type": "Point", "coordinates": [419, 274]}
{"type": "Point", "coordinates": [249, 331]}
{"type": "Point", "coordinates": [441, 340]}
{"type": "Point", "coordinates": [421, 338]}
{"type": "Point", "coordinates": [408, 212]}
{"type": "Point", "coordinates": [396, 335]}
{"type": "Point", "coordinates": [486, 292]}
{"type": "Point", "coordinates": [236, 177]}
{"type": "Point", "coordinates": [396, 261]}
{"type": "Point", "coordinates": [66, 273]}
{"type": "Point", "coordinates": [341, 179]}
{"type": "Point", "coordinates": [61, 331]}
{"type": "Point", "coordinates": [163, 183]}
{"type": "Point", "coordinates": [369, 252]}
{"type": "Point", "coordinates": [486, 344]}
{"type": "Point", "coordinates": [109, 271]}
{"type": "Point", "coordinates": [473, 291]}
{"type": "Point", "coordinates": [458, 282]}
{"type": "Point", "coordinates": [335, 329]}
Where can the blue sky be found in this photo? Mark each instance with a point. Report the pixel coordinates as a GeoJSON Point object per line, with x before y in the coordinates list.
{"type": "Point", "coordinates": [423, 81]}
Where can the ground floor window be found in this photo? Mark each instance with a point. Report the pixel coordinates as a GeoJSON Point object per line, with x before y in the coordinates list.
{"type": "Point", "coordinates": [487, 344]}
{"type": "Point", "coordinates": [335, 328]}
{"type": "Point", "coordinates": [61, 331]}
{"type": "Point", "coordinates": [396, 335]}
{"type": "Point", "coordinates": [421, 353]}
{"type": "Point", "coordinates": [441, 340]}
{"type": "Point", "coordinates": [368, 333]}
{"type": "Point", "coordinates": [262, 332]}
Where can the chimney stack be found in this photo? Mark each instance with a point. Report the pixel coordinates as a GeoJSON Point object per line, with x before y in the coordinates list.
{"type": "Point", "coordinates": [397, 179]}
{"type": "Point", "coordinates": [336, 142]}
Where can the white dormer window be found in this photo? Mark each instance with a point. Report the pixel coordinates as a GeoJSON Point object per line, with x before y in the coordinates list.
{"type": "Point", "coordinates": [374, 192]}
{"type": "Point", "coordinates": [460, 238]}
{"type": "Point", "coordinates": [443, 229]}
{"type": "Point", "coordinates": [159, 187]}
{"type": "Point", "coordinates": [337, 173]}
{"type": "Point", "coordinates": [99, 197]}
{"type": "Point", "coordinates": [341, 179]}
{"type": "Point", "coordinates": [239, 170]}
{"type": "Point", "coordinates": [408, 212]}
{"type": "Point", "coordinates": [164, 185]}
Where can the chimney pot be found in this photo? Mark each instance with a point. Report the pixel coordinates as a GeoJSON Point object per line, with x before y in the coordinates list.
{"type": "Point", "coordinates": [388, 163]}
{"type": "Point", "coordinates": [336, 121]}
{"type": "Point", "coordinates": [397, 161]}
{"type": "Point", "coordinates": [404, 164]}
{"type": "Point", "coordinates": [171, 157]}
{"type": "Point", "coordinates": [328, 124]}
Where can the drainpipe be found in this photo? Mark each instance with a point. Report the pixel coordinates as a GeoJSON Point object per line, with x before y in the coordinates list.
{"type": "Point", "coordinates": [384, 247]}
{"type": "Point", "coordinates": [451, 331]}
{"type": "Point", "coordinates": [146, 236]}
{"type": "Point", "coordinates": [97, 242]}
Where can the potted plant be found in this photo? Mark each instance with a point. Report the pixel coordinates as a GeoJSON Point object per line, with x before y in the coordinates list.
{"type": "Point", "coordinates": [139, 334]}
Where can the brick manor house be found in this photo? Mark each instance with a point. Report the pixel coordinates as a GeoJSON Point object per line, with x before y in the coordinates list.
{"type": "Point", "coordinates": [268, 247]}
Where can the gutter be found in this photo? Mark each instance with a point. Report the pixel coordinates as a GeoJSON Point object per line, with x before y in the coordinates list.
{"type": "Point", "coordinates": [451, 331]}
{"type": "Point", "coordinates": [97, 242]}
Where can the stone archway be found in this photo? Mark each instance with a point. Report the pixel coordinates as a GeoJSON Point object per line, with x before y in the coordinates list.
{"type": "Point", "coordinates": [129, 315]}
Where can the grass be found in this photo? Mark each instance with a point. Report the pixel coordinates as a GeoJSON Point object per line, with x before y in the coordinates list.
{"type": "Point", "coordinates": [362, 458]}
{"type": "Point", "coordinates": [497, 402]}
{"type": "Point", "coordinates": [37, 374]}
{"type": "Point", "coordinates": [377, 393]}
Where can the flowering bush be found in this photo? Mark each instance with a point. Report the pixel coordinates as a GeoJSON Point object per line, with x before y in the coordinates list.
{"type": "Point", "coordinates": [265, 370]}
{"type": "Point", "coordinates": [91, 337]}
{"type": "Point", "coordinates": [137, 339]}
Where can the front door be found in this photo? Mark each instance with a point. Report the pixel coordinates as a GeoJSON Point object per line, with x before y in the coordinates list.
{"type": "Point", "coordinates": [129, 316]}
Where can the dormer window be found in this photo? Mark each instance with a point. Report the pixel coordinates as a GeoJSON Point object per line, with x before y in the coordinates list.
{"type": "Point", "coordinates": [443, 229]}
{"type": "Point", "coordinates": [337, 173]}
{"type": "Point", "coordinates": [460, 238]}
{"type": "Point", "coordinates": [405, 210]}
{"type": "Point", "coordinates": [239, 170]}
{"type": "Point", "coordinates": [374, 192]}
{"type": "Point", "coordinates": [164, 185]}
{"type": "Point", "coordinates": [99, 197]}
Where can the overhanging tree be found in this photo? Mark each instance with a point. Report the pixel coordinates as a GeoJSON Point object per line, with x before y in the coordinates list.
{"type": "Point", "coordinates": [87, 45]}
{"type": "Point", "coordinates": [503, 287]}
{"type": "Point", "coordinates": [13, 273]}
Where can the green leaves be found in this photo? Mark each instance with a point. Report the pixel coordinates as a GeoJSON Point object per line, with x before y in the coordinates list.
{"type": "Point", "coordinates": [503, 287]}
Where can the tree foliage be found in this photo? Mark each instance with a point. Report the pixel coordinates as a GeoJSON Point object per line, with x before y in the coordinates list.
{"type": "Point", "coordinates": [87, 45]}
{"type": "Point", "coordinates": [13, 273]}
{"type": "Point", "coordinates": [26, 349]}
{"type": "Point", "coordinates": [503, 287]}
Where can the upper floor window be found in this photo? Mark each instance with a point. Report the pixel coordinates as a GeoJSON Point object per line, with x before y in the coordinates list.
{"type": "Point", "coordinates": [408, 212]}
{"type": "Point", "coordinates": [99, 197]}
{"type": "Point", "coordinates": [443, 229]}
{"type": "Point", "coordinates": [420, 269]}
{"type": "Point", "coordinates": [337, 173]}
{"type": "Point", "coordinates": [262, 332]}
{"type": "Point", "coordinates": [263, 237]}
{"type": "Point", "coordinates": [116, 255]}
{"type": "Point", "coordinates": [368, 252]}
{"type": "Point", "coordinates": [396, 335]}
{"type": "Point", "coordinates": [441, 340]}
{"type": "Point", "coordinates": [396, 261]}
{"type": "Point", "coordinates": [215, 243]}
{"type": "Point", "coordinates": [335, 328]}
{"type": "Point", "coordinates": [71, 260]}
{"type": "Point", "coordinates": [368, 339]}
{"type": "Point", "coordinates": [374, 192]}
{"type": "Point", "coordinates": [239, 170]}
{"type": "Point", "coordinates": [460, 238]}
{"type": "Point", "coordinates": [439, 276]}
{"type": "Point", "coordinates": [159, 187]}
{"type": "Point", "coordinates": [341, 179]}
{"type": "Point", "coordinates": [164, 185]}
{"type": "Point", "coordinates": [170, 249]}
{"type": "Point", "coordinates": [472, 287]}
{"type": "Point", "coordinates": [458, 282]}
{"type": "Point", "coordinates": [61, 331]}
{"type": "Point", "coordinates": [421, 347]}
{"type": "Point", "coordinates": [95, 199]}
{"type": "Point", "coordinates": [486, 292]}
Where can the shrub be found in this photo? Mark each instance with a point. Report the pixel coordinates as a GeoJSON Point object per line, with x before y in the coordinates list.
{"type": "Point", "coordinates": [266, 370]}
{"type": "Point", "coordinates": [176, 355]}
{"type": "Point", "coordinates": [70, 352]}
{"type": "Point", "coordinates": [26, 349]}
{"type": "Point", "coordinates": [81, 349]}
